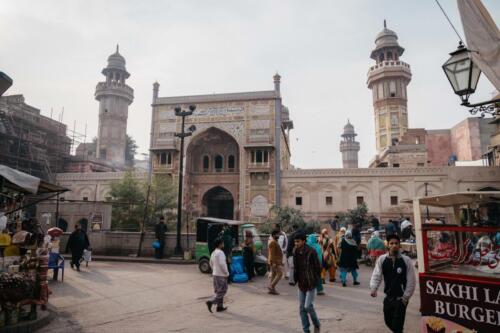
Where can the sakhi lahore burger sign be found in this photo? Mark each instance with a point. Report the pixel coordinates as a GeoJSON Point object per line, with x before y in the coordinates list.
{"type": "Point", "coordinates": [459, 306]}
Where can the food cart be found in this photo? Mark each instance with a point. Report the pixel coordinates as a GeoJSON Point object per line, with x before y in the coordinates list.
{"type": "Point", "coordinates": [459, 263]}
{"type": "Point", "coordinates": [23, 246]}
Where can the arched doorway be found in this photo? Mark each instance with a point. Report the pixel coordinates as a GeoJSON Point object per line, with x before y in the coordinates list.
{"type": "Point", "coordinates": [219, 202]}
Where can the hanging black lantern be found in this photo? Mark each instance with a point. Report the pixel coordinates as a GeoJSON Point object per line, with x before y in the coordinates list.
{"type": "Point", "coordinates": [462, 73]}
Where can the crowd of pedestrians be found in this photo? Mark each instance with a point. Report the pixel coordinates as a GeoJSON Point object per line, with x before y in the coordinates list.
{"type": "Point", "coordinates": [306, 260]}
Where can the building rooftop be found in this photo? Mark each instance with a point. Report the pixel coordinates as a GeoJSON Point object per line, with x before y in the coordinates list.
{"type": "Point", "coordinates": [242, 96]}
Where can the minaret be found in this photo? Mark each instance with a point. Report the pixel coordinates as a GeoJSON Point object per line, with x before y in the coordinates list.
{"type": "Point", "coordinates": [349, 147]}
{"type": "Point", "coordinates": [114, 97]}
{"type": "Point", "coordinates": [388, 79]}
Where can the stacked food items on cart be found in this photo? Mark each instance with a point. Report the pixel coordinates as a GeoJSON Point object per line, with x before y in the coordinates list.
{"type": "Point", "coordinates": [23, 264]}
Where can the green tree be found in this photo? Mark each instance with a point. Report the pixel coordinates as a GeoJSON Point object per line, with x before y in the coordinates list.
{"type": "Point", "coordinates": [286, 217]}
{"type": "Point", "coordinates": [130, 150]}
{"type": "Point", "coordinates": [128, 196]}
{"type": "Point", "coordinates": [162, 198]}
{"type": "Point", "coordinates": [354, 216]}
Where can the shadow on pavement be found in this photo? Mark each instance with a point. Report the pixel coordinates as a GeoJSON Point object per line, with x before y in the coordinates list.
{"type": "Point", "coordinates": [273, 327]}
{"type": "Point", "coordinates": [64, 289]}
{"type": "Point", "coordinates": [94, 276]}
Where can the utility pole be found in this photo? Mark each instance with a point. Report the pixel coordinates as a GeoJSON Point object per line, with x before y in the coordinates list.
{"type": "Point", "coordinates": [57, 210]}
{"type": "Point", "coordinates": [178, 112]}
{"type": "Point", "coordinates": [156, 87]}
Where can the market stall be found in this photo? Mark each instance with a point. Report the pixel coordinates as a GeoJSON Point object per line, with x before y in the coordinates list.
{"type": "Point", "coordinates": [23, 246]}
{"type": "Point", "coordinates": [459, 263]}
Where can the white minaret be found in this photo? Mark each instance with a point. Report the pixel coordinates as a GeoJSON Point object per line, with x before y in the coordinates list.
{"type": "Point", "coordinates": [349, 147]}
{"type": "Point", "coordinates": [114, 97]}
{"type": "Point", "coordinates": [388, 79]}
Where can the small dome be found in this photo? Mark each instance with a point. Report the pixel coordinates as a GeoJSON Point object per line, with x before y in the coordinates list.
{"type": "Point", "coordinates": [348, 129]}
{"type": "Point", "coordinates": [386, 39]}
{"type": "Point", "coordinates": [386, 35]}
{"type": "Point", "coordinates": [116, 60]}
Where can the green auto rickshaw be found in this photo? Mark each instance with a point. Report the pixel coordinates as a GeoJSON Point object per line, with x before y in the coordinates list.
{"type": "Point", "coordinates": [208, 229]}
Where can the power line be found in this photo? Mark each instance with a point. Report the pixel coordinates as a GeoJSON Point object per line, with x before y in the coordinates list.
{"type": "Point", "coordinates": [445, 15]}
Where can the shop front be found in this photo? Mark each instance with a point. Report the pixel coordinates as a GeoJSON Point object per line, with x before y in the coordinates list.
{"type": "Point", "coordinates": [459, 263]}
{"type": "Point", "coordinates": [24, 247]}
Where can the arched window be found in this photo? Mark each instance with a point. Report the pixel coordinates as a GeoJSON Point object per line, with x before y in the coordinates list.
{"type": "Point", "coordinates": [206, 163]}
{"type": "Point", "coordinates": [389, 55]}
{"type": "Point", "coordinates": [163, 158]}
{"type": "Point", "coordinates": [230, 163]}
{"type": "Point", "coordinates": [259, 156]}
{"type": "Point", "coordinates": [381, 57]}
{"type": "Point", "coordinates": [392, 88]}
{"type": "Point", "coordinates": [219, 163]}
{"type": "Point", "coordinates": [169, 158]}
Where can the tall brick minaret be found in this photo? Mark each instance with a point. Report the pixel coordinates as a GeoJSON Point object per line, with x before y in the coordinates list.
{"type": "Point", "coordinates": [388, 80]}
{"type": "Point", "coordinates": [114, 97]}
{"type": "Point", "coordinates": [349, 147]}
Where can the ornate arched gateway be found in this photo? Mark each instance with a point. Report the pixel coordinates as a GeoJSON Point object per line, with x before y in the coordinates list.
{"type": "Point", "coordinates": [218, 202]}
{"type": "Point", "coordinates": [213, 174]}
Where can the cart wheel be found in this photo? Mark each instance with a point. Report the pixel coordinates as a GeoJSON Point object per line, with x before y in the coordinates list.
{"type": "Point", "coordinates": [261, 270]}
{"type": "Point", "coordinates": [204, 266]}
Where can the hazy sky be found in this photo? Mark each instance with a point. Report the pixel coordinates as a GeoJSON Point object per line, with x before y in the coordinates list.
{"type": "Point", "coordinates": [55, 51]}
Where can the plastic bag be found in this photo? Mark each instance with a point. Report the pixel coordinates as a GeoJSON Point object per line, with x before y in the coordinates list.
{"type": "Point", "coordinates": [87, 255]}
{"type": "Point", "coordinates": [156, 244]}
{"type": "Point", "coordinates": [237, 265]}
{"type": "Point", "coordinates": [237, 270]}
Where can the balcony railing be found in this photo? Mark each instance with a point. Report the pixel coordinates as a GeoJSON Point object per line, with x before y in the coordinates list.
{"type": "Point", "coordinates": [391, 63]}
{"type": "Point", "coordinates": [259, 165]}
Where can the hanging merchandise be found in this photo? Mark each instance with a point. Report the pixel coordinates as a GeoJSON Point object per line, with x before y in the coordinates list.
{"type": "Point", "coordinates": [24, 247]}
{"type": "Point", "coordinates": [5, 239]}
{"type": "Point", "coordinates": [3, 222]}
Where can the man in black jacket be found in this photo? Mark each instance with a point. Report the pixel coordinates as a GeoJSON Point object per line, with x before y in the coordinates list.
{"type": "Point", "coordinates": [77, 242]}
{"type": "Point", "coordinates": [160, 234]}
{"type": "Point", "coordinates": [307, 273]}
{"type": "Point", "coordinates": [399, 283]}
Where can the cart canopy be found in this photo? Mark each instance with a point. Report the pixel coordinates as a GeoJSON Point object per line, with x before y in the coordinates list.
{"type": "Point", "coordinates": [458, 198]}
{"type": "Point", "coordinates": [26, 183]}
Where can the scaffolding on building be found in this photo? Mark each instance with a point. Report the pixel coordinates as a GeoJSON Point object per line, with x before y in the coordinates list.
{"type": "Point", "coordinates": [33, 143]}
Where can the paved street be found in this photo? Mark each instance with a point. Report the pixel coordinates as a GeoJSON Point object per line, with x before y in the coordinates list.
{"type": "Point", "coordinates": [131, 297]}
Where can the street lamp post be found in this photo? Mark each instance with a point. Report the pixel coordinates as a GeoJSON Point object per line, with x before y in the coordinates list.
{"type": "Point", "coordinates": [183, 134]}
